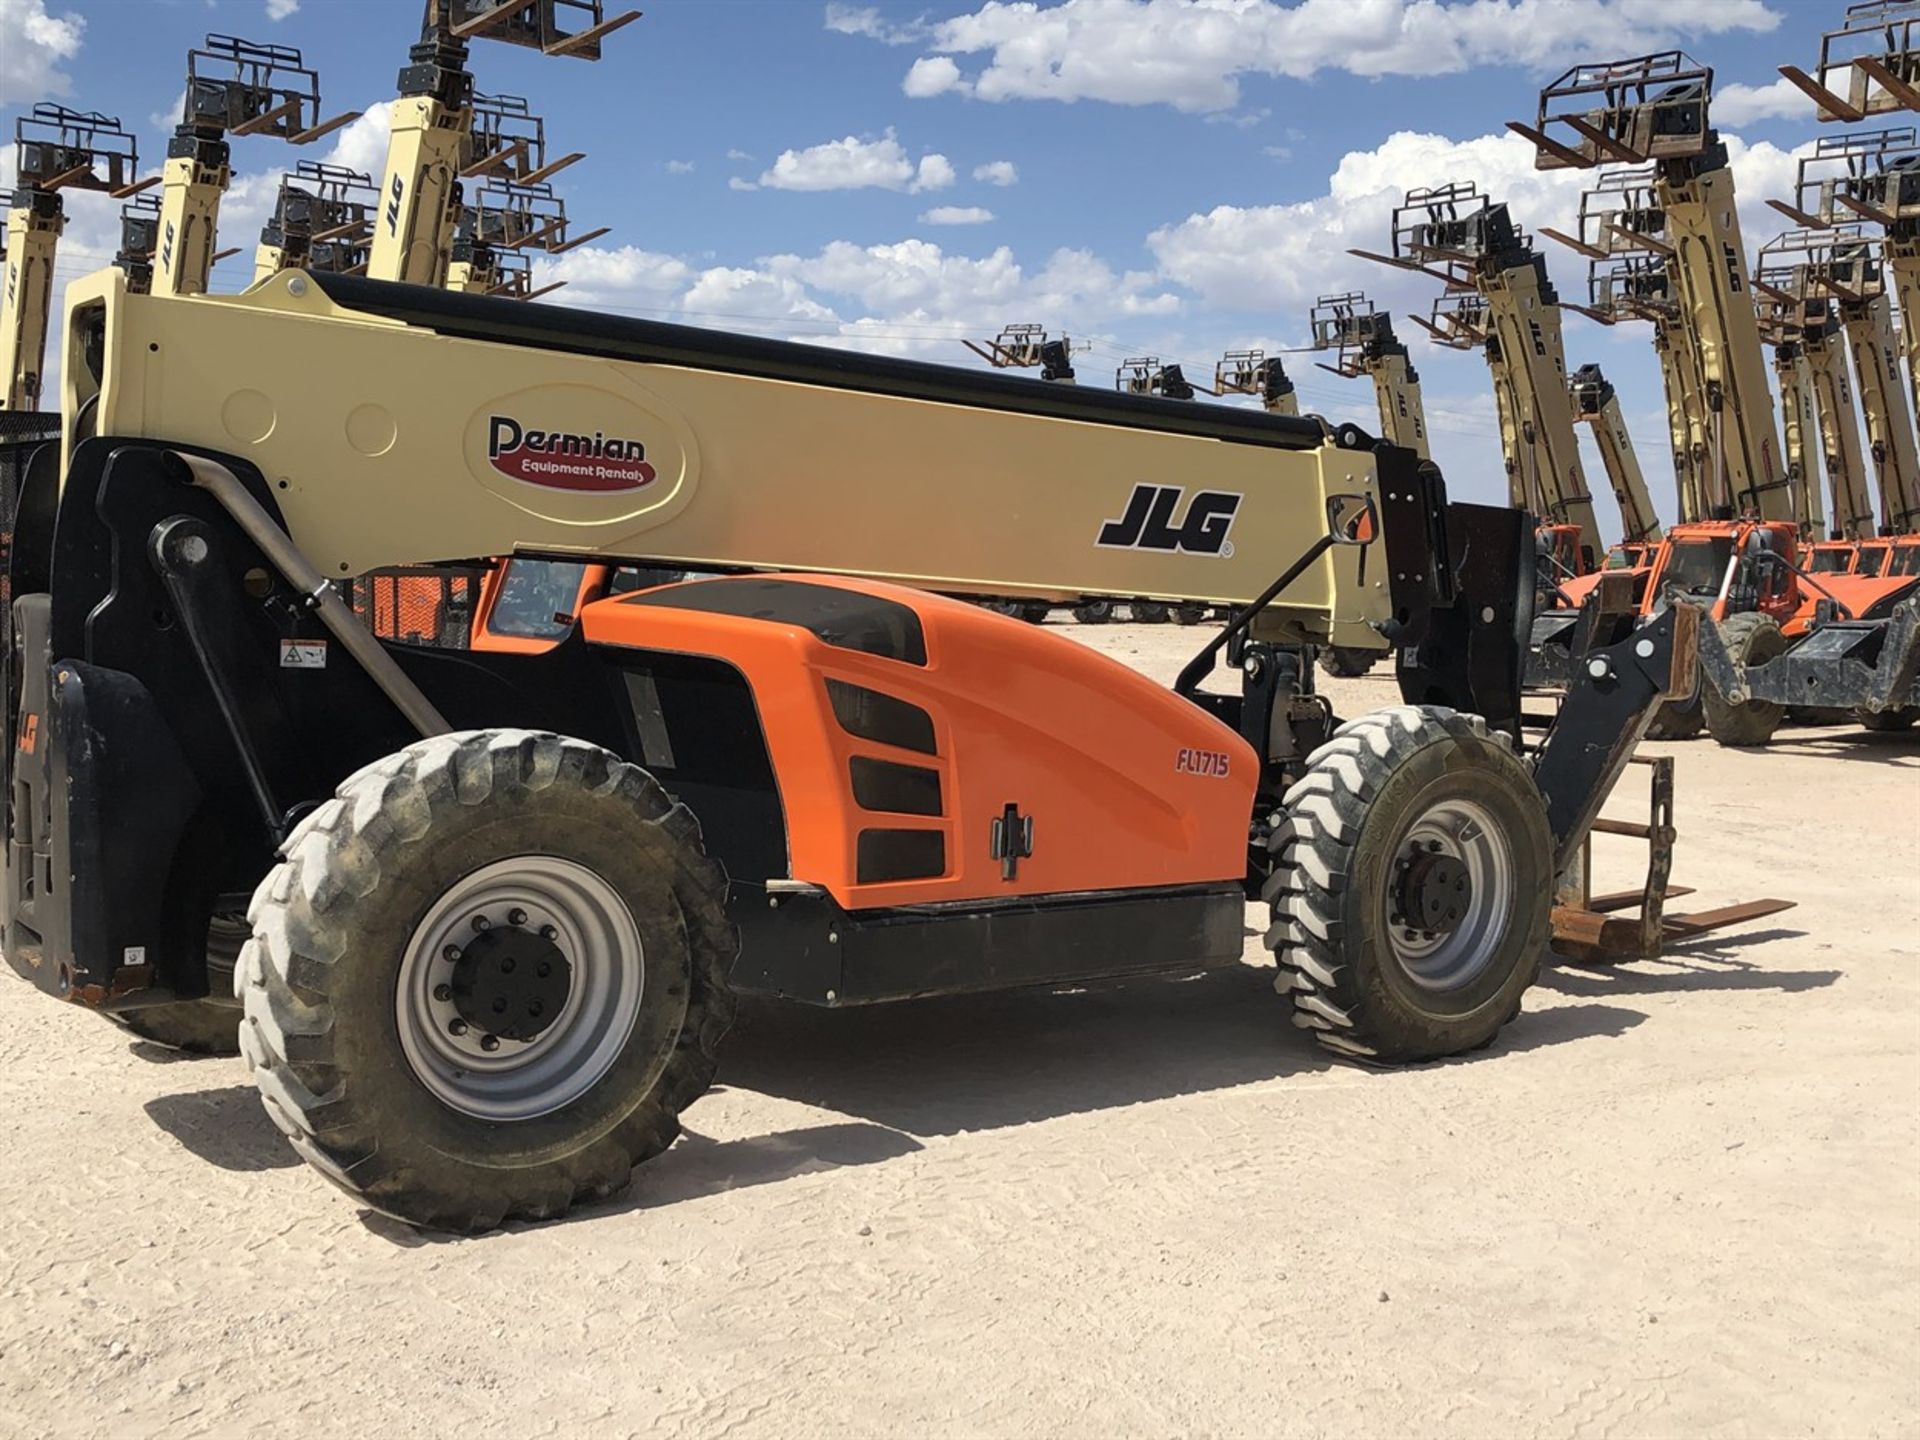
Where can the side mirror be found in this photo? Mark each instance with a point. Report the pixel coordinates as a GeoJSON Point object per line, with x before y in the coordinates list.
{"type": "Point", "coordinates": [1351, 520]}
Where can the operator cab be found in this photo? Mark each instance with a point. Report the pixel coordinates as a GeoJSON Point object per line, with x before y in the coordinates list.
{"type": "Point", "coordinates": [528, 604]}
{"type": "Point", "coordinates": [1830, 557]}
{"type": "Point", "coordinates": [1731, 567]}
{"type": "Point", "coordinates": [1874, 555]}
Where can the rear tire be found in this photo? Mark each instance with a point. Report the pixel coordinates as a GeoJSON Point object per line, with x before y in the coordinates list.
{"type": "Point", "coordinates": [198, 1027]}
{"type": "Point", "coordinates": [1345, 661]}
{"type": "Point", "coordinates": [1094, 612]}
{"type": "Point", "coordinates": [344, 989]}
{"type": "Point", "coordinates": [1751, 639]}
{"type": "Point", "coordinates": [1189, 614]}
{"type": "Point", "coordinates": [1887, 721]}
{"type": "Point", "coordinates": [1150, 612]}
{"type": "Point", "coordinates": [1352, 855]}
{"type": "Point", "coordinates": [1034, 612]}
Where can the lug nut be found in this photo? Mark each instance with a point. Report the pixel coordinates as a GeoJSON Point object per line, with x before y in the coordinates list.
{"type": "Point", "coordinates": [548, 932]}
{"type": "Point", "coordinates": [500, 1006]}
{"type": "Point", "coordinates": [516, 917]}
{"type": "Point", "coordinates": [451, 954]}
{"type": "Point", "coordinates": [457, 1027]}
{"type": "Point", "coordinates": [543, 969]}
{"type": "Point", "coordinates": [536, 1009]}
{"type": "Point", "coordinates": [506, 965]}
{"type": "Point", "coordinates": [1433, 847]}
{"type": "Point", "coordinates": [482, 923]}
{"type": "Point", "coordinates": [489, 1043]}
{"type": "Point", "coordinates": [443, 993]}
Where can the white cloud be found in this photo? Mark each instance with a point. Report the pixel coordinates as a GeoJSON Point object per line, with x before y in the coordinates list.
{"type": "Point", "coordinates": [957, 215]}
{"type": "Point", "coordinates": [33, 45]}
{"type": "Point", "coordinates": [1192, 53]}
{"type": "Point", "coordinates": [281, 9]}
{"type": "Point", "coordinates": [1737, 105]}
{"type": "Point", "coordinates": [932, 75]}
{"type": "Point", "coordinates": [935, 173]}
{"type": "Point", "coordinates": [868, 21]}
{"type": "Point", "coordinates": [738, 155]}
{"type": "Point", "coordinates": [856, 164]}
{"type": "Point", "coordinates": [998, 172]}
{"type": "Point", "coordinates": [734, 182]}
{"type": "Point", "coordinates": [679, 167]}
{"type": "Point", "coordinates": [1284, 256]}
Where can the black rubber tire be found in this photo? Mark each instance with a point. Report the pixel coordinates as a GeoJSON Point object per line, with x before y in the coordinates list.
{"type": "Point", "coordinates": [1346, 662]}
{"type": "Point", "coordinates": [198, 1027]}
{"type": "Point", "coordinates": [1750, 639]}
{"type": "Point", "coordinates": [1189, 614]}
{"type": "Point", "coordinates": [1094, 612]}
{"type": "Point", "coordinates": [1677, 719]}
{"type": "Point", "coordinates": [193, 1027]}
{"type": "Point", "coordinates": [1150, 612]}
{"type": "Point", "coordinates": [331, 924]}
{"type": "Point", "coordinates": [1334, 851]}
{"type": "Point", "coordinates": [1888, 721]}
{"type": "Point", "coordinates": [1035, 612]}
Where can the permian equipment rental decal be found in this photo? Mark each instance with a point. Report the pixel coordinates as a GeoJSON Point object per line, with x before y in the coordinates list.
{"type": "Point", "coordinates": [564, 460]}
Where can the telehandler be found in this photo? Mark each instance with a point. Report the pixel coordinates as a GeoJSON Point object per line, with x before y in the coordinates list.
{"type": "Point", "coordinates": [496, 905]}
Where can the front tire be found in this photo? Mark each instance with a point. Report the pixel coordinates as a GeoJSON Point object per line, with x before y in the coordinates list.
{"type": "Point", "coordinates": [1094, 612]}
{"type": "Point", "coordinates": [1345, 661]}
{"type": "Point", "coordinates": [508, 881]}
{"type": "Point", "coordinates": [1677, 719]}
{"type": "Point", "coordinates": [1151, 612]}
{"type": "Point", "coordinates": [1751, 639]}
{"type": "Point", "coordinates": [1412, 885]}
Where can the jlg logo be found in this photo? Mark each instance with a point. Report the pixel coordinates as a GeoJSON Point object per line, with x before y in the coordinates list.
{"type": "Point", "coordinates": [393, 205]}
{"type": "Point", "coordinates": [166, 250]}
{"type": "Point", "coordinates": [1149, 522]}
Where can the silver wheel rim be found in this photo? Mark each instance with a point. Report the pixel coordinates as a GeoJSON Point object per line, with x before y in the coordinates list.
{"type": "Point", "coordinates": [519, 1080]}
{"type": "Point", "coordinates": [1468, 833]}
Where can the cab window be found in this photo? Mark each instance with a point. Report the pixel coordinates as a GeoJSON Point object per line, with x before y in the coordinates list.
{"type": "Point", "coordinates": [533, 595]}
{"type": "Point", "coordinates": [1830, 561]}
{"type": "Point", "coordinates": [1697, 567]}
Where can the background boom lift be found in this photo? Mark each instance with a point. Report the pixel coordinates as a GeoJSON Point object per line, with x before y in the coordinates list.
{"type": "Point", "coordinates": [1028, 347]}
{"type": "Point", "coordinates": [322, 220]}
{"type": "Point", "coordinates": [56, 150]}
{"type": "Point", "coordinates": [1460, 237]}
{"type": "Point", "coordinates": [1596, 404]}
{"type": "Point", "coordinates": [1808, 320]}
{"type": "Point", "coordinates": [1363, 343]}
{"type": "Point", "coordinates": [442, 132]}
{"type": "Point", "coordinates": [1256, 373]}
{"type": "Point", "coordinates": [234, 87]}
{"type": "Point", "coordinates": [1656, 109]}
{"type": "Point", "coordinates": [1843, 263]}
{"type": "Point", "coordinates": [1869, 64]}
{"type": "Point", "coordinates": [1781, 329]}
{"type": "Point", "coordinates": [1622, 234]}
{"type": "Point", "coordinates": [1872, 176]}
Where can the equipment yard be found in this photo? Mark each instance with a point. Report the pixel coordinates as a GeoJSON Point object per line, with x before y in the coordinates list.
{"type": "Point", "coordinates": [1674, 1197]}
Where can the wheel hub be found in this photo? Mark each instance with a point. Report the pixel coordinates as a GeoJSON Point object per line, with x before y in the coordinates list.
{"type": "Point", "coordinates": [511, 982]}
{"type": "Point", "coordinates": [1436, 890]}
{"type": "Point", "coordinates": [519, 987]}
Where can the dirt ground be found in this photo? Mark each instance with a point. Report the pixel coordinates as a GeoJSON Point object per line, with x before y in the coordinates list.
{"type": "Point", "coordinates": [1679, 1198]}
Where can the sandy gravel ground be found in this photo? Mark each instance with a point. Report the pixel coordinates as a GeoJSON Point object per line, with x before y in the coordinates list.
{"type": "Point", "coordinates": [1675, 1199]}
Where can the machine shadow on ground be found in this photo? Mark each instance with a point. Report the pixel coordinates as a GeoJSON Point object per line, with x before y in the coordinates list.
{"type": "Point", "coordinates": [929, 1068]}
{"type": "Point", "coordinates": [1707, 964]}
{"type": "Point", "coordinates": [942, 1067]}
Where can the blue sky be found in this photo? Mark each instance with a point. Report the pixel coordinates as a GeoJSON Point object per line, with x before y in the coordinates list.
{"type": "Point", "coordinates": [1171, 177]}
